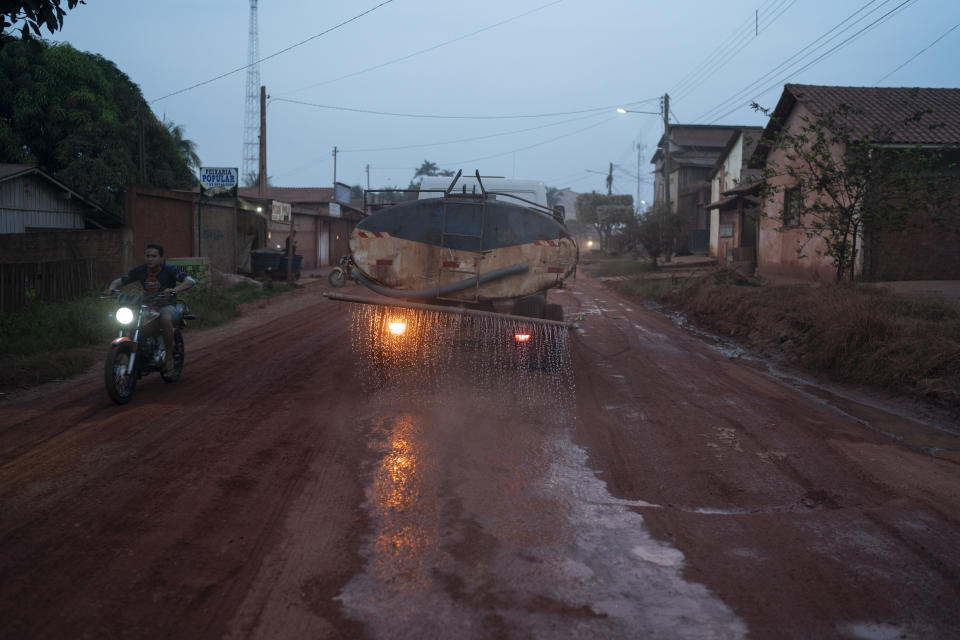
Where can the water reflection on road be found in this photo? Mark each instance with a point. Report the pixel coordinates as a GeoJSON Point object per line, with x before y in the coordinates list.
{"type": "Point", "coordinates": [485, 521]}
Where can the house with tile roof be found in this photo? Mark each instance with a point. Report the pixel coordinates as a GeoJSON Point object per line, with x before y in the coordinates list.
{"type": "Point", "coordinates": [733, 205]}
{"type": "Point", "coordinates": [927, 245]}
{"type": "Point", "coordinates": [693, 151]}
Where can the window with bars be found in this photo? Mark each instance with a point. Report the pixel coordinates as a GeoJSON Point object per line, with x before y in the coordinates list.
{"type": "Point", "coordinates": [791, 207]}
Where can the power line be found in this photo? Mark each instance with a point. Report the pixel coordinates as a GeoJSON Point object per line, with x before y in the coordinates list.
{"type": "Point", "coordinates": [949, 31]}
{"type": "Point", "coordinates": [431, 48]}
{"type": "Point", "coordinates": [687, 79]}
{"type": "Point", "coordinates": [493, 135]}
{"type": "Point", "coordinates": [539, 144]}
{"type": "Point", "coordinates": [738, 96]}
{"type": "Point", "coordinates": [714, 64]}
{"type": "Point", "coordinates": [448, 117]}
{"type": "Point", "coordinates": [273, 55]}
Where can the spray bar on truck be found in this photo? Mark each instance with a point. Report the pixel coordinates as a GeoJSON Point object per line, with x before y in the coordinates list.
{"type": "Point", "coordinates": [404, 304]}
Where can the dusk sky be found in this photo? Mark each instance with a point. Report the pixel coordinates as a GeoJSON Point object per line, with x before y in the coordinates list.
{"type": "Point", "coordinates": [523, 89]}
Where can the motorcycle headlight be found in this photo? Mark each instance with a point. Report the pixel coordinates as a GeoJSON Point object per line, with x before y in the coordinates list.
{"type": "Point", "coordinates": [124, 315]}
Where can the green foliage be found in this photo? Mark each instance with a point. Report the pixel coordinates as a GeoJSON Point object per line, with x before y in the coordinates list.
{"type": "Point", "coordinates": [845, 183]}
{"type": "Point", "coordinates": [51, 326]}
{"type": "Point", "coordinates": [604, 212]}
{"type": "Point", "coordinates": [609, 268]}
{"type": "Point", "coordinates": [656, 230]}
{"type": "Point", "coordinates": [34, 15]}
{"type": "Point", "coordinates": [77, 116]}
{"type": "Point", "coordinates": [430, 169]}
{"type": "Point", "coordinates": [49, 341]}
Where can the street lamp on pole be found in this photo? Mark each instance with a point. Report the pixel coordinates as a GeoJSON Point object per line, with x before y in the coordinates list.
{"type": "Point", "coordinates": [622, 110]}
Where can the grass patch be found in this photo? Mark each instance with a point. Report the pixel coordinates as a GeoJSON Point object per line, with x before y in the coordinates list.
{"type": "Point", "coordinates": [650, 288]}
{"type": "Point", "coordinates": [611, 268]}
{"type": "Point", "coordinates": [52, 341]}
{"type": "Point", "coordinates": [855, 334]}
{"type": "Point", "coordinates": [215, 306]}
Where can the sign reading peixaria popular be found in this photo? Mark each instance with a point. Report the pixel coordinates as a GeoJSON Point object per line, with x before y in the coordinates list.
{"type": "Point", "coordinates": [219, 182]}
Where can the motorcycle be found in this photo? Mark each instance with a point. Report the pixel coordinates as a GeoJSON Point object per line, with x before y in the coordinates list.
{"type": "Point", "coordinates": [139, 348]}
{"type": "Point", "coordinates": [341, 273]}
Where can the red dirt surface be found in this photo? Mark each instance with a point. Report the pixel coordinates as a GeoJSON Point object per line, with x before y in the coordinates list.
{"type": "Point", "coordinates": [657, 488]}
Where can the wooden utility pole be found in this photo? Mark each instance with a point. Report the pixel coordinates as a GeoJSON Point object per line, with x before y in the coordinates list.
{"type": "Point", "coordinates": [610, 181]}
{"type": "Point", "coordinates": [368, 177]}
{"type": "Point", "coordinates": [334, 165]}
{"type": "Point", "coordinates": [666, 147]}
{"type": "Point", "coordinates": [263, 143]}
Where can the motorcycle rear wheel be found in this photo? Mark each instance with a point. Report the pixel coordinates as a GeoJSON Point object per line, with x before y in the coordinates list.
{"type": "Point", "coordinates": [337, 277]}
{"type": "Point", "coordinates": [178, 354]}
{"type": "Point", "coordinates": [120, 385]}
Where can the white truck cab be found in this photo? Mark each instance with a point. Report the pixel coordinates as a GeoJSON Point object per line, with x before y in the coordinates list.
{"type": "Point", "coordinates": [527, 190]}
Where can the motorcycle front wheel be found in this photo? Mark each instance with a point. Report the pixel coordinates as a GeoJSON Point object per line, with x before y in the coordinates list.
{"type": "Point", "coordinates": [337, 277]}
{"type": "Point", "coordinates": [177, 358]}
{"type": "Point", "coordinates": [119, 383]}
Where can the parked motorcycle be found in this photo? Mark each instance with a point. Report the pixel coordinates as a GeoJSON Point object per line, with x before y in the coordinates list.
{"type": "Point", "coordinates": [341, 273]}
{"type": "Point", "coordinates": [139, 348]}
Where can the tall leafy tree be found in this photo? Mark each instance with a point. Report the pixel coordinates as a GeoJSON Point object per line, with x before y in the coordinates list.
{"type": "Point", "coordinates": [79, 118]}
{"type": "Point", "coordinates": [187, 148]}
{"type": "Point", "coordinates": [604, 212]}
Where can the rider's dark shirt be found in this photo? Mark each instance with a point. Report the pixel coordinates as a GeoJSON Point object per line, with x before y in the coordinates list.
{"type": "Point", "coordinates": [166, 277]}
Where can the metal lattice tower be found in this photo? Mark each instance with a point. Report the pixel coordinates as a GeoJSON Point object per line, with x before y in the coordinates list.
{"type": "Point", "coordinates": [251, 114]}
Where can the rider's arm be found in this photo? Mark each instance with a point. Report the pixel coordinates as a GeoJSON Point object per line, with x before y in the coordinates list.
{"type": "Point", "coordinates": [185, 284]}
{"type": "Point", "coordinates": [115, 284]}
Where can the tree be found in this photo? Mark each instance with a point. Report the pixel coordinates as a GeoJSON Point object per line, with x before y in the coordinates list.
{"type": "Point", "coordinates": [430, 169]}
{"type": "Point", "coordinates": [187, 148]}
{"type": "Point", "coordinates": [252, 179]}
{"type": "Point", "coordinates": [78, 117]}
{"type": "Point", "coordinates": [604, 213]}
{"type": "Point", "coordinates": [33, 15]}
{"type": "Point", "coordinates": [656, 229]}
{"type": "Point", "coordinates": [835, 183]}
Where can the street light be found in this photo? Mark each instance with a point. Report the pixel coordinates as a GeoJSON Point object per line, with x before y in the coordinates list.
{"type": "Point", "coordinates": [622, 110]}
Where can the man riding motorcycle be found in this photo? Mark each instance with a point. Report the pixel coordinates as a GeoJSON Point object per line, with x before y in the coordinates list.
{"type": "Point", "coordinates": [156, 277]}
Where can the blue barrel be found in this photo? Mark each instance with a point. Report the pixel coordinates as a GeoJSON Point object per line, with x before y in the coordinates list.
{"type": "Point", "coordinates": [264, 261]}
{"type": "Point", "coordinates": [282, 263]}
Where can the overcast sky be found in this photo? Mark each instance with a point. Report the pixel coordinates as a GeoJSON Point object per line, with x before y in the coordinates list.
{"type": "Point", "coordinates": [564, 63]}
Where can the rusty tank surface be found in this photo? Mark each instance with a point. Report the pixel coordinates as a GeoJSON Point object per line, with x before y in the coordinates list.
{"type": "Point", "coordinates": [471, 247]}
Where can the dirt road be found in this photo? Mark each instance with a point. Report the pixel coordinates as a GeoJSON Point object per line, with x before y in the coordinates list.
{"type": "Point", "coordinates": [652, 486]}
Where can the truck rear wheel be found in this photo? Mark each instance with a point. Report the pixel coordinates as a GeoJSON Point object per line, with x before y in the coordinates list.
{"type": "Point", "coordinates": [531, 306]}
{"type": "Point", "coordinates": [554, 312]}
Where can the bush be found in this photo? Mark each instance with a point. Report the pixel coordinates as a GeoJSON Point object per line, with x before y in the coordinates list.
{"type": "Point", "coordinates": [51, 341]}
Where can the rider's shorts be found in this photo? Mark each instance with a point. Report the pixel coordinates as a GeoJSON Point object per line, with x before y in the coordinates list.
{"type": "Point", "coordinates": [174, 311]}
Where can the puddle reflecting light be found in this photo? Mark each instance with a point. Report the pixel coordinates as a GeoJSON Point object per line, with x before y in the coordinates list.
{"type": "Point", "coordinates": [397, 327]}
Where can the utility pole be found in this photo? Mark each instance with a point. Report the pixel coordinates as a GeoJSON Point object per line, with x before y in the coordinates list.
{"type": "Point", "coordinates": [666, 147]}
{"type": "Point", "coordinates": [263, 142]}
{"type": "Point", "coordinates": [610, 181]}
{"type": "Point", "coordinates": [368, 177]}
{"type": "Point", "coordinates": [639, 154]}
{"type": "Point", "coordinates": [334, 165]}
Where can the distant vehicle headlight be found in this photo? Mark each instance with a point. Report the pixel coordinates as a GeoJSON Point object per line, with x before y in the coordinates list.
{"type": "Point", "coordinates": [397, 327]}
{"type": "Point", "coordinates": [124, 315]}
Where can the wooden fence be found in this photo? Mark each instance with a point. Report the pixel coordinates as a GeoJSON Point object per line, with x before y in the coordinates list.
{"type": "Point", "coordinates": [49, 281]}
